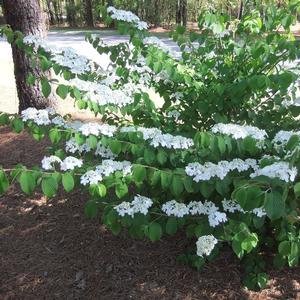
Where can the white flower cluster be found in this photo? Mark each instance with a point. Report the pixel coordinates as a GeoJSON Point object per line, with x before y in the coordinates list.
{"type": "Point", "coordinates": [72, 146]}
{"type": "Point", "coordinates": [102, 94]}
{"type": "Point", "coordinates": [159, 139]}
{"type": "Point", "coordinates": [38, 116]}
{"type": "Point", "coordinates": [221, 169]}
{"type": "Point", "coordinates": [67, 57]}
{"type": "Point", "coordinates": [179, 210]}
{"type": "Point", "coordinates": [107, 168]}
{"type": "Point", "coordinates": [175, 114]}
{"type": "Point", "coordinates": [97, 129]}
{"type": "Point", "coordinates": [231, 206]}
{"type": "Point", "coordinates": [140, 204]}
{"type": "Point", "coordinates": [206, 244]}
{"type": "Point", "coordinates": [127, 16]}
{"type": "Point", "coordinates": [69, 163]}
{"type": "Point", "coordinates": [239, 131]}
{"type": "Point", "coordinates": [280, 170]}
{"type": "Point", "coordinates": [282, 137]}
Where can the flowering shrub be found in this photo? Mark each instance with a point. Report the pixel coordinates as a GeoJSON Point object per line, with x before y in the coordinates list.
{"type": "Point", "coordinates": [218, 161]}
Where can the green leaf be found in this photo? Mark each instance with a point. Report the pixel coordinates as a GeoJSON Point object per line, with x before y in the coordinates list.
{"type": "Point", "coordinates": [221, 144]}
{"type": "Point", "coordinates": [162, 157]}
{"type": "Point", "coordinates": [149, 156]}
{"type": "Point", "coordinates": [18, 125]}
{"type": "Point", "coordinates": [92, 141]}
{"type": "Point", "coordinates": [121, 190]}
{"type": "Point", "coordinates": [31, 79]}
{"type": "Point", "coordinates": [262, 280]}
{"type": "Point", "coordinates": [27, 182]}
{"type": "Point", "coordinates": [49, 186]}
{"type": "Point", "coordinates": [4, 183]}
{"type": "Point", "coordinates": [116, 147]}
{"type": "Point", "coordinates": [139, 173]}
{"type": "Point", "coordinates": [46, 87]}
{"type": "Point", "coordinates": [62, 91]}
{"type": "Point", "coordinates": [177, 186]}
{"type": "Point", "coordinates": [4, 119]}
{"type": "Point", "coordinates": [91, 209]}
{"type": "Point", "coordinates": [171, 226]}
{"type": "Point", "coordinates": [274, 205]}
{"type": "Point", "coordinates": [155, 231]}
{"type": "Point", "coordinates": [166, 180]}
{"type": "Point", "coordinates": [249, 197]}
{"type": "Point", "coordinates": [54, 135]}
{"type": "Point", "coordinates": [68, 182]}
{"type": "Point", "coordinates": [284, 248]}
{"type": "Point", "coordinates": [297, 189]}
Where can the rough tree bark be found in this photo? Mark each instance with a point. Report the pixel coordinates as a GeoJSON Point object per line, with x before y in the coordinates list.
{"type": "Point", "coordinates": [26, 16]}
{"type": "Point", "coordinates": [181, 12]}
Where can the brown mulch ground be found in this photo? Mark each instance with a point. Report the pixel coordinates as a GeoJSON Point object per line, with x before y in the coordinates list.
{"type": "Point", "coordinates": [49, 250]}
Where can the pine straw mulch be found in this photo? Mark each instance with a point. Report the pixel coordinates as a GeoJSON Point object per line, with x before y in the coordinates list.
{"type": "Point", "coordinates": [49, 250]}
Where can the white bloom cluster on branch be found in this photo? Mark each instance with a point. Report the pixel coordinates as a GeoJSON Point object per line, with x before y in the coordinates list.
{"type": "Point", "coordinates": [280, 170]}
{"type": "Point", "coordinates": [282, 137]}
{"type": "Point", "coordinates": [159, 139]}
{"type": "Point", "coordinates": [66, 57]}
{"type": "Point", "coordinates": [102, 94]}
{"type": "Point", "coordinates": [69, 163]}
{"type": "Point", "coordinates": [205, 245]}
{"type": "Point", "coordinates": [179, 210]}
{"type": "Point", "coordinates": [127, 16]}
{"type": "Point", "coordinates": [140, 204]}
{"type": "Point", "coordinates": [38, 116]}
{"type": "Point", "coordinates": [97, 129]}
{"type": "Point", "coordinates": [231, 206]}
{"type": "Point", "coordinates": [107, 168]}
{"type": "Point", "coordinates": [220, 170]}
{"type": "Point", "coordinates": [240, 131]}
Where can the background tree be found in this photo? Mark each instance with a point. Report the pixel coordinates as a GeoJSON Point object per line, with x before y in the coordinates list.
{"type": "Point", "coordinates": [26, 16]}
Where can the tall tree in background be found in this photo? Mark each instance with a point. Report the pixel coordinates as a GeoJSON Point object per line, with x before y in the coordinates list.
{"type": "Point", "coordinates": [89, 19]}
{"type": "Point", "coordinates": [26, 16]}
{"type": "Point", "coordinates": [181, 12]}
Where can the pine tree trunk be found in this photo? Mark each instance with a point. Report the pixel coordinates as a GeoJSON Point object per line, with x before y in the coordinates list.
{"type": "Point", "coordinates": [89, 19]}
{"type": "Point", "coordinates": [26, 16]}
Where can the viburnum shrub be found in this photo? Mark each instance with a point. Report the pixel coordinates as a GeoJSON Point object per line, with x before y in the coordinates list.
{"type": "Point", "coordinates": [217, 161]}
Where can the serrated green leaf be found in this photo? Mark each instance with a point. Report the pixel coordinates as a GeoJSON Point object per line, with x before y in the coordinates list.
{"type": "Point", "coordinates": [49, 186]}
{"type": "Point", "coordinates": [155, 231]}
{"type": "Point", "coordinates": [68, 182]}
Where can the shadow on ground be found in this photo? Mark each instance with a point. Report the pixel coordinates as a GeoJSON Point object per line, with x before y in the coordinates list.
{"type": "Point", "coordinates": [49, 250]}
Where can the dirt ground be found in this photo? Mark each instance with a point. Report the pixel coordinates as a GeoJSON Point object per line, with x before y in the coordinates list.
{"type": "Point", "coordinates": [50, 250]}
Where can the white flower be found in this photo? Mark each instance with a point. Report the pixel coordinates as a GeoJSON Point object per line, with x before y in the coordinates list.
{"type": "Point", "coordinates": [209, 170]}
{"type": "Point", "coordinates": [231, 206]}
{"type": "Point", "coordinates": [124, 208]}
{"type": "Point", "coordinates": [174, 208]}
{"type": "Point", "coordinates": [215, 218]}
{"type": "Point", "coordinates": [72, 146]}
{"type": "Point", "coordinates": [140, 204]}
{"type": "Point", "coordinates": [110, 166]}
{"type": "Point", "coordinates": [38, 116]}
{"type": "Point", "coordinates": [90, 177]}
{"type": "Point", "coordinates": [97, 129]}
{"type": "Point", "coordinates": [279, 170]}
{"type": "Point", "coordinates": [196, 208]}
{"type": "Point", "coordinates": [142, 25]}
{"type": "Point", "coordinates": [104, 152]}
{"type": "Point", "coordinates": [239, 131]}
{"type": "Point", "coordinates": [47, 162]}
{"type": "Point", "coordinates": [103, 94]}
{"type": "Point", "coordinates": [70, 163]}
{"type": "Point", "coordinates": [206, 244]}
{"type": "Point", "coordinates": [260, 212]}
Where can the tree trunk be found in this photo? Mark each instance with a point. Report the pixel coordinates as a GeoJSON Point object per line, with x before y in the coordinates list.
{"type": "Point", "coordinates": [26, 16]}
{"type": "Point", "coordinates": [89, 19]}
{"type": "Point", "coordinates": [241, 8]}
{"type": "Point", "coordinates": [50, 12]}
{"type": "Point", "coordinates": [71, 13]}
